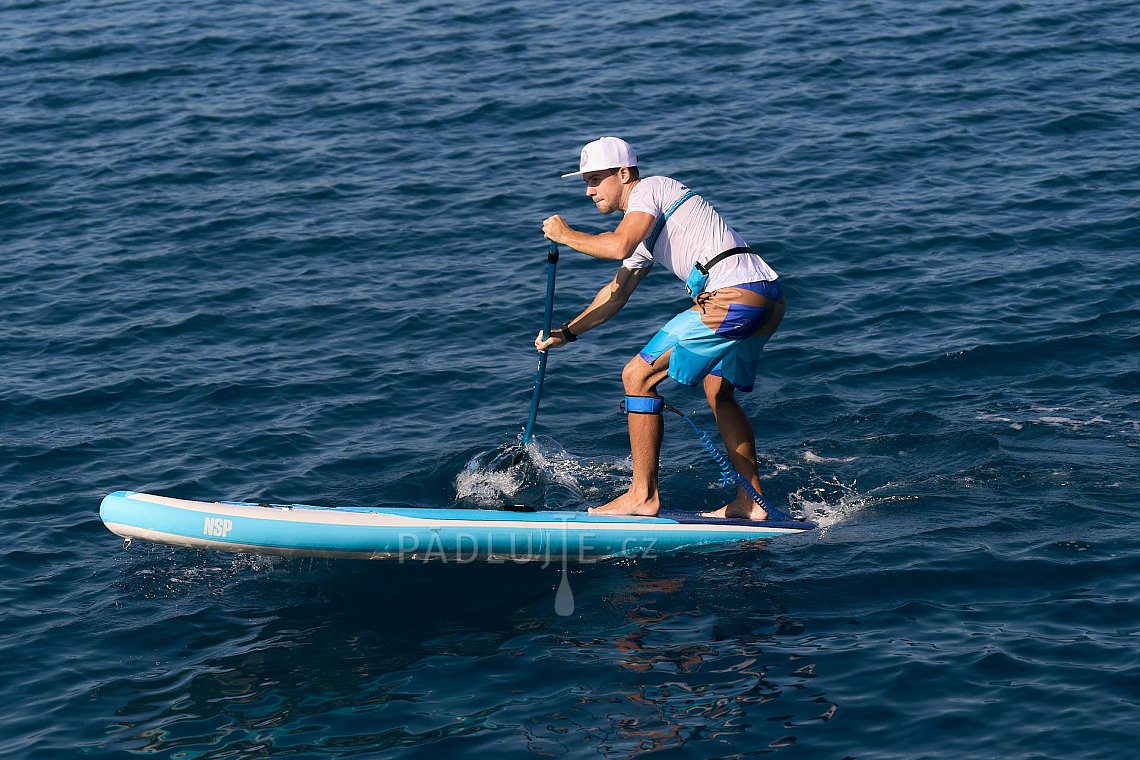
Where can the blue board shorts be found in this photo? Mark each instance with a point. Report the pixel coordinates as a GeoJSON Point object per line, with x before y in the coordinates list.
{"type": "Point", "coordinates": [723, 334]}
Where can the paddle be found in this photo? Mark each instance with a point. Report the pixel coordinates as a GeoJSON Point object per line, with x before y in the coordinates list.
{"type": "Point", "coordinates": [509, 456]}
{"type": "Point", "coordinates": [548, 316]}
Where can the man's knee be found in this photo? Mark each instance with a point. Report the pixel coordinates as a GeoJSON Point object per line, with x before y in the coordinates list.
{"type": "Point", "coordinates": [718, 391]}
{"type": "Point", "coordinates": [640, 378]}
{"type": "Point", "coordinates": [635, 376]}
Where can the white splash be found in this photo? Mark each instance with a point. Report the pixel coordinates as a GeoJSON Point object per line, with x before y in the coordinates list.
{"type": "Point", "coordinates": [485, 486]}
{"type": "Point", "coordinates": [813, 458]}
{"type": "Point", "coordinates": [827, 503]}
{"type": "Point", "coordinates": [492, 476]}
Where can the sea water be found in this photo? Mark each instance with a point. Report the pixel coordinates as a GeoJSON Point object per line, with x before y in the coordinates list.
{"type": "Point", "coordinates": [292, 251]}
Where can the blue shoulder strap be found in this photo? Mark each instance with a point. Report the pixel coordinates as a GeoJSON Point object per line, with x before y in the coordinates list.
{"type": "Point", "coordinates": [660, 225]}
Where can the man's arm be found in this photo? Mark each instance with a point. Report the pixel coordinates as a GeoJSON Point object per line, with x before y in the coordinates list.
{"type": "Point", "coordinates": [616, 245]}
{"type": "Point", "coordinates": [606, 303]}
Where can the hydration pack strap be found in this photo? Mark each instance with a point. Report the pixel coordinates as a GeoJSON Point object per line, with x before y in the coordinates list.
{"type": "Point", "coordinates": [643, 404]}
{"type": "Point", "coordinates": [704, 268]}
{"type": "Point", "coordinates": [660, 225]}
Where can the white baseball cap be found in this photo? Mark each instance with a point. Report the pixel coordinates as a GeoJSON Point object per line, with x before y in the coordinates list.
{"type": "Point", "coordinates": [605, 153]}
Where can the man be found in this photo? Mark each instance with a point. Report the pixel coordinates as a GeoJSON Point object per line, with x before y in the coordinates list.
{"type": "Point", "coordinates": [737, 300]}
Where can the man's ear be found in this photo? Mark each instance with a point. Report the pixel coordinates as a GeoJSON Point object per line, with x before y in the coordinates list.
{"type": "Point", "coordinates": [623, 175]}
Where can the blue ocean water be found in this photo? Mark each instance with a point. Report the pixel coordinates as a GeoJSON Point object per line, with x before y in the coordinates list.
{"type": "Point", "coordinates": [292, 252]}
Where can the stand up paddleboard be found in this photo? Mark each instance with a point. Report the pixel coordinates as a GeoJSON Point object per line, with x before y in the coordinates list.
{"type": "Point", "coordinates": [301, 530]}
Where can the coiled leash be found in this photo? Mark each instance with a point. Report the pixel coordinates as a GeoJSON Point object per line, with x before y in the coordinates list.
{"type": "Point", "coordinates": [729, 475]}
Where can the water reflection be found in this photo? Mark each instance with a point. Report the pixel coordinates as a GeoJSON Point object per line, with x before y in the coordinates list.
{"type": "Point", "coordinates": [374, 657]}
{"type": "Point", "coordinates": [719, 673]}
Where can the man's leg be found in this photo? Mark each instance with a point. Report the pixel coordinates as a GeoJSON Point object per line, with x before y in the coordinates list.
{"type": "Point", "coordinates": [736, 432]}
{"type": "Point", "coordinates": [646, 431]}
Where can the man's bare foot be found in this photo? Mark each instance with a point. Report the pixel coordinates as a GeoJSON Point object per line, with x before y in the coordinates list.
{"type": "Point", "coordinates": [627, 504]}
{"type": "Point", "coordinates": [740, 509]}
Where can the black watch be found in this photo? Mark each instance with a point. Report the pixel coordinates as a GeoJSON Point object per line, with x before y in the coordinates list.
{"type": "Point", "coordinates": [567, 336]}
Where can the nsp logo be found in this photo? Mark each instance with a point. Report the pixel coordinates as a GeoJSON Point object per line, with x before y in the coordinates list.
{"type": "Point", "coordinates": [217, 526]}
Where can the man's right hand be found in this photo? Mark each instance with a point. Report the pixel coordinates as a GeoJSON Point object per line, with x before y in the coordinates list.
{"type": "Point", "coordinates": [555, 228]}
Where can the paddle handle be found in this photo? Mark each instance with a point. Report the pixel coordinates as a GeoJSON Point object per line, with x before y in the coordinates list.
{"type": "Point", "coordinates": [547, 318]}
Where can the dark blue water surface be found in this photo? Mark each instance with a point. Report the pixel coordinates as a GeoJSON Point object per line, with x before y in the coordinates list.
{"type": "Point", "coordinates": [292, 251]}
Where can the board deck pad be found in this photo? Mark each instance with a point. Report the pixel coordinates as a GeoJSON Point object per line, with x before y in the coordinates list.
{"type": "Point", "coordinates": [421, 533]}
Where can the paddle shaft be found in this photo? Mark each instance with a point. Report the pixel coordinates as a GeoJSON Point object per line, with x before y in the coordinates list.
{"type": "Point", "coordinates": [548, 317]}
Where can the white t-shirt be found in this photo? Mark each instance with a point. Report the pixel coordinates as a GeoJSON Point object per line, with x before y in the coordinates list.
{"type": "Point", "coordinates": [694, 232]}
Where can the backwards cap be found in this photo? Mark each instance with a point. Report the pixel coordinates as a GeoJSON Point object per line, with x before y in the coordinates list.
{"type": "Point", "coordinates": [605, 153]}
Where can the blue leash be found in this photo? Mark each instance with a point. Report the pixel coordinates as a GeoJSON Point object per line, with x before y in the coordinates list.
{"type": "Point", "coordinates": [728, 474]}
{"type": "Point", "coordinates": [548, 317]}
